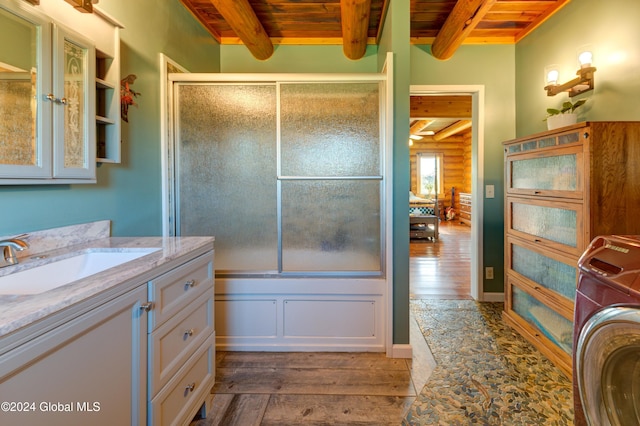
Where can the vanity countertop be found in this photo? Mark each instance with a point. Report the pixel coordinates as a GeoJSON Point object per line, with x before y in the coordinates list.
{"type": "Point", "coordinates": [19, 311]}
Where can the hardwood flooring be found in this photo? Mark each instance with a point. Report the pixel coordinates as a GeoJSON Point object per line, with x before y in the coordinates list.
{"type": "Point", "coordinates": [441, 269]}
{"type": "Point", "coordinates": [274, 388]}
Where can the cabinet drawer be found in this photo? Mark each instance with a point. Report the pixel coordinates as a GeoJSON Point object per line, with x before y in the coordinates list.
{"type": "Point", "coordinates": [173, 342]}
{"type": "Point", "coordinates": [465, 208]}
{"type": "Point", "coordinates": [551, 173]}
{"type": "Point", "coordinates": [558, 225]}
{"type": "Point", "coordinates": [540, 320]}
{"type": "Point", "coordinates": [180, 399]}
{"type": "Point", "coordinates": [550, 274]}
{"type": "Point", "coordinates": [174, 290]}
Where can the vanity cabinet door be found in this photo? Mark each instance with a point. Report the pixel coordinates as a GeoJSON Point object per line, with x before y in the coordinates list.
{"type": "Point", "coordinates": [90, 370]}
{"type": "Point", "coordinates": [74, 125]}
{"type": "Point", "coordinates": [25, 81]}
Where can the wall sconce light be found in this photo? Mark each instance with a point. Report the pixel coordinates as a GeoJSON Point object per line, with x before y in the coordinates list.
{"type": "Point", "coordinates": [582, 83]}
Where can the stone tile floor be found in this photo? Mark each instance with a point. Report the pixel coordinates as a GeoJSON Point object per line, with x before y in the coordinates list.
{"type": "Point", "coordinates": [486, 373]}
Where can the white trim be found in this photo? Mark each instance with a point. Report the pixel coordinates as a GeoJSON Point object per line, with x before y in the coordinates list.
{"type": "Point", "coordinates": [402, 351]}
{"type": "Point", "coordinates": [388, 172]}
{"type": "Point", "coordinates": [477, 172]}
{"type": "Point", "coordinates": [276, 77]}
{"type": "Point", "coordinates": [165, 140]}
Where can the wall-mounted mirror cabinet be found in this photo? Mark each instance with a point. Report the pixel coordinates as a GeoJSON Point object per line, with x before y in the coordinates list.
{"type": "Point", "coordinates": [56, 113]}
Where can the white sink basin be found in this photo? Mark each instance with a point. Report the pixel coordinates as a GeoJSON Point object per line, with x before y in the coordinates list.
{"type": "Point", "coordinates": [55, 274]}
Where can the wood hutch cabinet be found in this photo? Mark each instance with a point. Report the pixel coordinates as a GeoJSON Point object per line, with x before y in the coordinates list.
{"type": "Point", "coordinates": [563, 188]}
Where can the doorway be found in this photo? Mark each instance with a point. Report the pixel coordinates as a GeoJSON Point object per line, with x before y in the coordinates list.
{"type": "Point", "coordinates": [475, 123]}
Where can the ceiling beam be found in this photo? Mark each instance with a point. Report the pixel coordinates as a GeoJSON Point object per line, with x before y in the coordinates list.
{"type": "Point", "coordinates": [456, 127]}
{"type": "Point", "coordinates": [355, 26]}
{"type": "Point", "coordinates": [464, 17]}
{"type": "Point", "coordinates": [243, 20]}
{"type": "Point", "coordinates": [418, 126]}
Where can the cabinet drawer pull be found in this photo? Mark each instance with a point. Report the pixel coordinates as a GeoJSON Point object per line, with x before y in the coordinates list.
{"type": "Point", "coordinates": [146, 306]}
{"type": "Point", "coordinates": [189, 284]}
{"type": "Point", "coordinates": [190, 387]}
{"type": "Point", "coordinates": [536, 192]}
{"type": "Point", "coordinates": [188, 333]}
{"type": "Point", "coordinates": [537, 241]}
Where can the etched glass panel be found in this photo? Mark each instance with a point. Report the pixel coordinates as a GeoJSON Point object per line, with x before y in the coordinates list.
{"type": "Point", "coordinates": [330, 129]}
{"type": "Point", "coordinates": [75, 58]}
{"type": "Point", "coordinates": [568, 138]}
{"type": "Point", "coordinates": [554, 326]}
{"type": "Point", "coordinates": [543, 143]}
{"type": "Point", "coordinates": [331, 225]}
{"type": "Point", "coordinates": [227, 172]}
{"type": "Point", "coordinates": [552, 173]}
{"type": "Point", "coordinates": [550, 273]}
{"type": "Point", "coordinates": [552, 223]}
{"type": "Point", "coordinates": [18, 90]}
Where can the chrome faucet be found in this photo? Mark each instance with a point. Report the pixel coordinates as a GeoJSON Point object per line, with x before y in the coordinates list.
{"type": "Point", "coordinates": [9, 248]}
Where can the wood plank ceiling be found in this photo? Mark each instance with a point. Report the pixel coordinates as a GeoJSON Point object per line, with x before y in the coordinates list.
{"type": "Point", "coordinates": [354, 24]}
{"type": "Point", "coordinates": [444, 24]}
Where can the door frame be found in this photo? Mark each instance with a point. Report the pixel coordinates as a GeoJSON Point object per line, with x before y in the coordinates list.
{"type": "Point", "coordinates": [477, 171]}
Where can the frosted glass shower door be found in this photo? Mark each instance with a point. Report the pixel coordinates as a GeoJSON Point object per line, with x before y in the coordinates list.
{"type": "Point", "coordinates": [286, 175]}
{"type": "Point", "coordinates": [226, 171]}
{"type": "Point", "coordinates": [330, 177]}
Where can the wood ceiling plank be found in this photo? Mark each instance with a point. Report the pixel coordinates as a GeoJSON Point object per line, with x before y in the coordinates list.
{"type": "Point", "coordinates": [440, 107]}
{"type": "Point", "coordinates": [461, 21]}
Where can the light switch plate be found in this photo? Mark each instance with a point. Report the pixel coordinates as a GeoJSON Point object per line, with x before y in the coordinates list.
{"type": "Point", "coordinates": [490, 191]}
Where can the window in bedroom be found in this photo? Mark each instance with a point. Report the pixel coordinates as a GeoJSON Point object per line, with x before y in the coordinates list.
{"type": "Point", "coordinates": [429, 174]}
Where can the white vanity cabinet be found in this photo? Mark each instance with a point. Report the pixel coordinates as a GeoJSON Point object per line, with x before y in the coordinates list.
{"type": "Point", "coordinates": [145, 357]}
{"type": "Point", "coordinates": [90, 370]}
{"type": "Point", "coordinates": [59, 107]}
{"type": "Point", "coordinates": [181, 342]}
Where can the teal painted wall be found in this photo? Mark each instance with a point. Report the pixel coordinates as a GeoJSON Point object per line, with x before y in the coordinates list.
{"type": "Point", "coordinates": [129, 193]}
{"type": "Point", "coordinates": [395, 39]}
{"type": "Point", "coordinates": [612, 30]}
{"type": "Point", "coordinates": [297, 59]}
{"type": "Point", "coordinates": [494, 68]}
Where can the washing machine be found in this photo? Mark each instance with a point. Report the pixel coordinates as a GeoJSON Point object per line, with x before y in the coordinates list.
{"type": "Point", "coordinates": [606, 359]}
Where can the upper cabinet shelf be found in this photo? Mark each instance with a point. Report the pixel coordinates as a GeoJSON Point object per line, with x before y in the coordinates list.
{"type": "Point", "coordinates": [59, 93]}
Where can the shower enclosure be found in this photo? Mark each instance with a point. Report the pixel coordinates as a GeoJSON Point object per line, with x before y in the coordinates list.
{"type": "Point", "coordinates": [288, 173]}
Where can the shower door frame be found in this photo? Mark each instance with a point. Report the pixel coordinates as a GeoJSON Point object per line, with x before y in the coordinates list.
{"type": "Point", "coordinates": [265, 298]}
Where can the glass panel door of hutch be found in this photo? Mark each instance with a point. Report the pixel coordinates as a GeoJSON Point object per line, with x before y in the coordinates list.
{"type": "Point", "coordinates": [544, 174]}
{"type": "Point", "coordinates": [557, 225]}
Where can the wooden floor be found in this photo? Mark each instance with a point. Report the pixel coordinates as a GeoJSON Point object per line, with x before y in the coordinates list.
{"type": "Point", "coordinates": [441, 269]}
{"type": "Point", "coordinates": [265, 388]}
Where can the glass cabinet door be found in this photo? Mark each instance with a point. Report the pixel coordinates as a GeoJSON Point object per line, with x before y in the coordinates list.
{"type": "Point", "coordinates": [547, 273]}
{"type": "Point", "coordinates": [543, 173]}
{"type": "Point", "coordinates": [550, 224]}
{"type": "Point", "coordinates": [25, 79]}
{"type": "Point", "coordinates": [73, 106]}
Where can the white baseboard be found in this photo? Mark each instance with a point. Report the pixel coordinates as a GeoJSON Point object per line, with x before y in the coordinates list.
{"type": "Point", "coordinates": [402, 351]}
{"type": "Point", "coordinates": [492, 297]}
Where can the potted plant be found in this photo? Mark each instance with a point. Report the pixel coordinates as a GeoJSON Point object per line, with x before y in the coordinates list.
{"type": "Point", "coordinates": [565, 116]}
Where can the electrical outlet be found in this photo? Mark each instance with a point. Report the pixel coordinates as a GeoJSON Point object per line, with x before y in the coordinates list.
{"type": "Point", "coordinates": [488, 272]}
